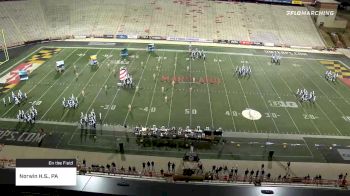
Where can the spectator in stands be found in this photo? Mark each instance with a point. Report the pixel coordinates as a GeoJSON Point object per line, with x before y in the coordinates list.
{"type": "Point", "coordinates": [315, 179]}
{"type": "Point", "coordinates": [200, 166]}
{"type": "Point", "coordinates": [173, 167]}
{"type": "Point", "coordinates": [252, 172]}
{"type": "Point", "coordinates": [114, 168]}
{"type": "Point", "coordinates": [343, 183]}
{"type": "Point", "coordinates": [268, 176]}
{"type": "Point", "coordinates": [148, 165]}
{"type": "Point", "coordinates": [230, 176]}
{"type": "Point", "coordinates": [340, 176]}
{"type": "Point", "coordinates": [108, 168]}
{"type": "Point", "coordinates": [245, 174]}
{"type": "Point", "coordinates": [279, 178]}
{"type": "Point", "coordinates": [217, 172]}
{"type": "Point", "coordinates": [307, 178]}
{"type": "Point", "coordinates": [284, 178]}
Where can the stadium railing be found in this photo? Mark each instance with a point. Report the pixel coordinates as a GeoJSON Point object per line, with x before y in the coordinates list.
{"type": "Point", "coordinates": [208, 177]}
{"type": "Point", "coordinates": [170, 177]}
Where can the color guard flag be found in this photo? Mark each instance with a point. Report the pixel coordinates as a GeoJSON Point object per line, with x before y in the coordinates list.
{"type": "Point", "coordinates": [123, 73]}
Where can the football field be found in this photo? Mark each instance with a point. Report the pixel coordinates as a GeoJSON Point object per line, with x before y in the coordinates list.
{"type": "Point", "coordinates": [205, 93]}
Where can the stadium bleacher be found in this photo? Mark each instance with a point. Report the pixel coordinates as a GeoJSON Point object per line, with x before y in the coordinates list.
{"type": "Point", "coordinates": [39, 19]}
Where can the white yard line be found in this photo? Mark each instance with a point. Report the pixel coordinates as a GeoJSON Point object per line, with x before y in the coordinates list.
{"type": "Point", "coordinates": [109, 108]}
{"type": "Point", "coordinates": [212, 52]}
{"type": "Point", "coordinates": [58, 97]}
{"type": "Point", "coordinates": [115, 96]}
{"type": "Point", "coordinates": [266, 106]}
{"type": "Point", "coordinates": [340, 95]}
{"type": "Point", "coordinates": [273, 87]}
{"type": "Point", "coordinates": [209, 99]}
{"type": "Point", "coordinates": [92, 100]}
{"type": "Point", "coordinates": [30, 90]}
{"type": "Point", "coordinates": [244, 94]}
{"type": "Point", "coordinates": [40, 122]}
{"type": "Point", "coordinates": [228, 100]}
{"type": "Point", "coordinates": [315, 103]}
{"type": "Point", "coordinates": [87, 83]}
{"type": "Point", "coordinates": [343, 63]}
{"type": "Point", "coordinates": [308, 148]}
{"type": "Point", "coordinates": [138, 83]}
{"type": "Point", "coordinates": [215, 52]}
{"type": "Point", "coordinates": [190, 91]}
{"type": "Point", "coordinates": [7, 70]}
{"type": "Point", "coordinates": [160, 62]}
{"type": "Point", "coordinates": [312, 121]}
{"type": "Point", "coordinates": [98, 93]}
{"type": "Point", "coordinates": [263, 98]}
{"type": "Point", "coordinates": [172, 91]}
{"type": "Point", "coordinates": [244, 54]}
{"type": "Point", "coordinates": [335, 106]}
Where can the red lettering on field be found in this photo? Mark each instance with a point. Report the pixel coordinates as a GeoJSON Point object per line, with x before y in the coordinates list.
{"type": "Point", "coordinates": [174, 78]}
{"type": "Point", "coordinates": [180, 79]}
{"type": "Point", "coordinates": [202, 80]}
{"type": "Point", "coordinates": [208, 80]}
{"type": "Point", "coordinates": [165, 79]}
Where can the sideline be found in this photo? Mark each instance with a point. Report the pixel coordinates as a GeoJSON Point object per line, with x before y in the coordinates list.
{"type": "Point", "coordinates": [199, 44]}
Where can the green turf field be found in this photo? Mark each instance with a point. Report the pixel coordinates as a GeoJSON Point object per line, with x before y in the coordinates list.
{"type": "Point", "coordinates": [212, 105]}
{"type": "Point", "coordinates": [270, 91]}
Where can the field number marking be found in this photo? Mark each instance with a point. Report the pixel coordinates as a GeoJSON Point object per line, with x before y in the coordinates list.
{"type": "Point", "coordinates": [188, 111]}
{"type": "Point", "coordinates": [310, 117]}
{"type": "Point", "coordinates": [232, 113]}
{"type": "Point", "coordinates": [271, 115]}
{"type": "Point", "coordinates": [151, 109]}
{"type": "Point", "coordinates": [109, 107]}
{"type": "Point", "coordinates": [283, 104]}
